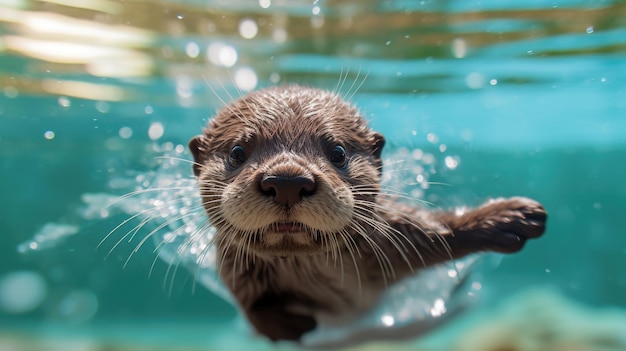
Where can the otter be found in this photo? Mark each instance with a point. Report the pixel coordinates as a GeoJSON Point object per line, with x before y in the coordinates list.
{"type": "Point", "coordinates": [289, 177]}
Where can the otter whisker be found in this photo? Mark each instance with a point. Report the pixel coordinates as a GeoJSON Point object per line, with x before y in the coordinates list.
{"type": "Point", "coordinates": [433, 230]}
{"type": "Point", "coordinates": [384, 263]}
{"type": "Point", "coordinates": [206, 81]}
{"type": "Point", "coordinates": [202, 255]}
{"type": "Point", "coordinates": [351, 247]}
{"type": "Point", "coordinates": [342, 80]}
{"type": "Point", "coordinates": [356, 78]}
{"type": "Point", "coordinates": [387, 191]}
{"type": "Point", "coordinates": [386, 231]}
{"type": "Point", "coordinates": [171, 274]}
{"type": "Point", "coordinates": [349, 96]}
{"type": "Point", "coordinates": [156, 230]}
{"type": "Point", "coordinates": [247, 249]}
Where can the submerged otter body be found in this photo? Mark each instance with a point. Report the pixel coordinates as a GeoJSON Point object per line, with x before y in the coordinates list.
{"type": "Point", "coordinates": [289, 176]}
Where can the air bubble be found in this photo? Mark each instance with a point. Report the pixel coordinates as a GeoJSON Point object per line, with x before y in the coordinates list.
{"type": "Point", "coordinates": [49, 135]}
{"type": "Point", "coordinates": [417, 154]}
{"type": "Point", "coordinates": [475, 80]}
{"type": "Point", "coordinates": [22, 291]}
{"type": "Point", "coordinates": [64, 101]}
{"type": "Point", "coordinates": [246, 78]}
{"type": "Point", "coordinates": [274, 77]}
{"type": "Point", "coordinates": [279, 35]}
{"type": "Point", "coordinates": [452, 162]}
{"type": "Point", "coordinates": [438, 309]}
{"type": "Point", "coordinates": [11, 92]}
{"type": "Point", "coordinates": [387, 320]}
{"type": "Point", "coordinates": [248, 28]}
{"type": "Point", "coordinates": [459, 48]}
{"type": "Point", "coordinates": [125, 132]}
{"type": "Point", "coordinates": [222, 55]}
{"type": "Point", "coordinates": [428, 159]}
{"type": "Point", "coordinates": [79, 306]}
{"type": "Point", "coordinates": [156, 131]}
{"type": "Point", "coordinates": [184, 87]}
{"type": "Point", "coordinates": [103, 106]}
{"type": "Point", "coordinates": [192, 50]}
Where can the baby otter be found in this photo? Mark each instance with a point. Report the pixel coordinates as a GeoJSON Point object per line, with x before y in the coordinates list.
{"type": "Point", "coordinates": [289, 176]}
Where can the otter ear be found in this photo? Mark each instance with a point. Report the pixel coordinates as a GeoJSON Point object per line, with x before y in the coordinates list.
{"type": "Point", "coordinates": [379, 142]}
{"type": "Point", "coordinates": [197, 146]}
{"type": "Point", "coordinates": [377, 149]}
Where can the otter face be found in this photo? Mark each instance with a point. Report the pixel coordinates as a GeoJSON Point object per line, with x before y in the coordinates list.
{"type": "Point", "coordinates": [281, 171]}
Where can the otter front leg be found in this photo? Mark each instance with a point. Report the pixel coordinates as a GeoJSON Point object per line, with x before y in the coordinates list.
{"type": "Point", "coordinates": [501, 225]}
{"type": "Point", "coordinates": [270, 317]}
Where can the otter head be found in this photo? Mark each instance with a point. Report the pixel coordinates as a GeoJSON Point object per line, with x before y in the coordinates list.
{"type": "Point", "coordinates": [286, 170]}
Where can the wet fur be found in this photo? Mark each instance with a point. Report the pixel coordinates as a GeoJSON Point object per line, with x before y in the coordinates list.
{"type": "Point", "coordinates": [351, 239]}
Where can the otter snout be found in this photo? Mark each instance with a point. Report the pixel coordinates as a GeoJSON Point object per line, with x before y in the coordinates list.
{"type": "Point", "coordinates": [287, 190]}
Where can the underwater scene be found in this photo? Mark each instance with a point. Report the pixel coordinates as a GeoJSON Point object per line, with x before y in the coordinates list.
{"type": "Point", "coordinates": [476, 100]}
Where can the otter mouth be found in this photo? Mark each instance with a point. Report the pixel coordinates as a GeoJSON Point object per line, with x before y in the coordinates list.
{"type": "Point", "coordinates": [288, 227]}
{"type": "Point", "coordinates": [285, 238]}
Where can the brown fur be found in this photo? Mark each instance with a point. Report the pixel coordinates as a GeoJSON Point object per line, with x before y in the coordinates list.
{"type": "Point", "coordinates": [303, 237]}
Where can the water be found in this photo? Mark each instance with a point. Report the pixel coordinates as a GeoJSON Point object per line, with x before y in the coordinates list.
{"type": "Point", "coordinates": [503, 98]}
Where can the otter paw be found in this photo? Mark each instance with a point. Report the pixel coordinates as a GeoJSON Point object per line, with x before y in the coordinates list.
{"type": "Point", "coordinates": [506, 224]}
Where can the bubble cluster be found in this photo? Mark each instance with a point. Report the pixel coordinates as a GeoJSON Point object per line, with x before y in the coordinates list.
{"type": "Point", "coordinates": [49, 235]}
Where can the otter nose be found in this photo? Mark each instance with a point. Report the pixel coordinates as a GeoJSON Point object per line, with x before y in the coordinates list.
{"type": "Point", "coordinates": [287, 190]}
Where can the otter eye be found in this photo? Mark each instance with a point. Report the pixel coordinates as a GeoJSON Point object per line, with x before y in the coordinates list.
{"type": "Point", "coordinates": [338, 156]}
{"type": "Point", "coordinates": [237, 156]}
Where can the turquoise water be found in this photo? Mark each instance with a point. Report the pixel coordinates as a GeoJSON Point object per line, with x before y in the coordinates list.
{"type": "Point", "coordinates": [505, 98]}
